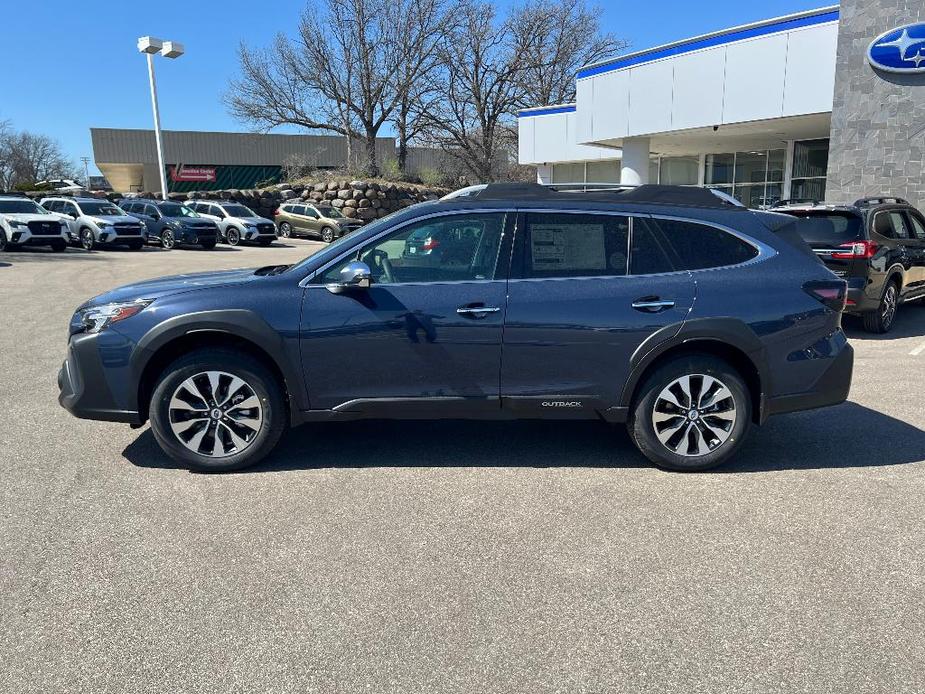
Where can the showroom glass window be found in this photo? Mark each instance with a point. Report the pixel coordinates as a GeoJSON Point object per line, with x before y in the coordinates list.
{"type": "Point", "coordinates": [755, 178]}
{"type": "Point", "coordinates": [675, 171]}
{"type": "Point", "coordinates": [448, 248]}
{"type": "Point", "coordinates": [587, 172]}
{"type": "Point", "coordinates": [810, 162]}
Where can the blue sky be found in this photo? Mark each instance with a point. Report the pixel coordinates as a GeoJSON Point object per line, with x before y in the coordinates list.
{"type": "Point", "coordinates": [103, 82]}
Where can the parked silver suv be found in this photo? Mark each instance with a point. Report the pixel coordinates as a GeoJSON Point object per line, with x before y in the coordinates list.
{"type": "Point", "coordinates": [236, 222]}
{"type": "Point", "coordinates": [95, 222]}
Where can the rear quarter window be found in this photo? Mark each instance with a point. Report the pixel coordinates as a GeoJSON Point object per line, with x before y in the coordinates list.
{"type": "Point", "coordinates": [667, 245]}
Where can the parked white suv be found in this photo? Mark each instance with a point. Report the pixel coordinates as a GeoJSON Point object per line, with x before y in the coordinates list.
{"type": "Point", "coordinates": [236, 223]}
{"type": "Point", "coordinates": [23, 223]}
{"type": "Point", "coordinates": [95, 222]}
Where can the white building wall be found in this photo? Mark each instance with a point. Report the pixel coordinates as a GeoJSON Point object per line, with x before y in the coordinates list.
{"type": "Point", "coordinates": [553, 137]}
{"type": "Point", "coordinates": [782, 74]}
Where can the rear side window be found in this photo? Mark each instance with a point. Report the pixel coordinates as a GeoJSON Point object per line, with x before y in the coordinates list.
{"type": "Point", "coordinates": [576, 245]}
{"type": "Point", "coordinates": [667, 245]}
{"type": "Point", "coordinates": [297, 209]}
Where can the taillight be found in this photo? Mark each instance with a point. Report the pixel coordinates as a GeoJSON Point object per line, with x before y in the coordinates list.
{"type": "Point", "coordinates": [857, 249]}
{"type": "Point", "coordinates": [430, 244]}
{"type": "Point", "coordinates": [276, 212]}
{"type": "Point", "coordinates": [832, 293]}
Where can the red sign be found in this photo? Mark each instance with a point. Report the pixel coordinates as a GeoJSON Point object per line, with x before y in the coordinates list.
{"type": "Point", "coordinates": [201, 174]}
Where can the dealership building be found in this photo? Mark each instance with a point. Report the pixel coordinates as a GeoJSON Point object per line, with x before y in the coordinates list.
{"type": "Point", "coordinates": [197, 160]}
{"type": "Point", "coordinates": [823, 105]}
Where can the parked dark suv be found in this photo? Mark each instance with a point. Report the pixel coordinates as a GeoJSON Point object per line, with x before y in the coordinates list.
{"type": "Point", "coordinates": [661, 307]}
{"type": "Point", "coordinates": [877, 245]}
{"type": "Point", "coordinates": [172, 224]}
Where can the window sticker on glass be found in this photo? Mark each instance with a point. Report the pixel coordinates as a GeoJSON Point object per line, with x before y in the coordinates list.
{"type": "Point", "coordinates": [568, 247]}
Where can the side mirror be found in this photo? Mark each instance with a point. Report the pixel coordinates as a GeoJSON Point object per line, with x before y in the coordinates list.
{"type": "Point", "coordinates": [355, 275]}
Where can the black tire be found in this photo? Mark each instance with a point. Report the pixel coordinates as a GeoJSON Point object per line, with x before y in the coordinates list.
{"type": "Point", "coordinates": [255, 376]}
{"type": "Point", "coordinates": [327, 234]}
{"type": "Point", "coordinates": [285, 230]}
{"type": "Point", "coordinates": [136, 245]}
{"type": "Point", "coordinates": [208, 245]}
{"type": "Point", "coordinates": [881, 319]}
{"type": "Point", "coordinates": [232, 236]}
{"type": "Point", "coordinates": [643, 428]}
{"type": "Point", "coordinates": [87, 241]}
{"type": "Point", "coordinates": [59, 246]}
{"type": "Point", "coordinates": [168, 239]}
{"type": "Point", "coordinates": [3, 244]}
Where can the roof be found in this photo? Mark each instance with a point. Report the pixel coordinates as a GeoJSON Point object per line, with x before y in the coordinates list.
{"type": "Point", "coordinates": [684, 196]}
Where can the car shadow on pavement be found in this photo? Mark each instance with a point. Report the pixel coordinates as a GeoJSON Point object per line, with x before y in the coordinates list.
{"type": "Point", "coordinates": [910, 322]}
{"type": "Point", "coordinates": [802, 441]}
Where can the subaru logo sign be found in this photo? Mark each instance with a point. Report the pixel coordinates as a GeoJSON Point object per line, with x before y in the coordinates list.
{"type": "Point", "coordinates": [899, 50]}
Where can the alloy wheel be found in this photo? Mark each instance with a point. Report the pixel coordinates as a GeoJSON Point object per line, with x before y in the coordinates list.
{"type": "Point", "coordinates": [694, 415]}
{"type": "Point", "coordinates": [327, 234]}
{"type": "Point", "coordinates": [285, 230]}
{"type": "Point", "coordinates": [233, 236]}
{"type": "Point", "coordinates": [168, 240]}
{"type": "Point", "coordinates": [888, 307]}
{"type": "Point", "coordinates": [86, 240]}
{"type": "Point", "coordinates": [215, 414]}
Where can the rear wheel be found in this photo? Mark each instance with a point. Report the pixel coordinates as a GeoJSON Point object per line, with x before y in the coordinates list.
{"type": "Point", "coordinates": [882, 318]}
{"type": "Point", "coordinates": [217, 410]}
{"type": "Point", "coordinates": [87, 242]}
{"type": "Point", "coordinates": [691, 414]}
{"type": "Point", "coordinates": [232, 236]}
{"type": "Point", "coordinates": [285, 230]}
{"type": "Point", "coordinates": [168, 240]}
{"type": "Point", "coordinates": [327, 234]}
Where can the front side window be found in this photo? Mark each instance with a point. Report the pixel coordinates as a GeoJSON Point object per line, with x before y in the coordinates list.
{"type": "Point", "coordinates": [575, 245]}
{"type": "Point", "coordinates": [890, 225]}
{"type": "Point", "coordinates": [452, 248]}
{"type": "Point", "coordinates": [918, 227]}
{"type": "Point", "coordinates": [666, 245]}
{"type": "Point", "coordinates": [100, 209]}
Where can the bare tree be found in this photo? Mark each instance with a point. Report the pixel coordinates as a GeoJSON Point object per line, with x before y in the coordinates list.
{"type": "Point", "coordinates": [482, 61]}
{"type": "Point", "coordinates": [26, 158]}
{"type": "Point", "coordinates": [346, 72]}
{"type": "Point", "coordinates": [564, 36]}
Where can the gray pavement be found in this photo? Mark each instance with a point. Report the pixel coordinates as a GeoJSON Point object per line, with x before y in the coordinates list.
{"type": "Point", "coordinates": [453, 556]}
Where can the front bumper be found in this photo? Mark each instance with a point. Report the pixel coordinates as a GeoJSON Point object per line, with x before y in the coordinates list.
{"type": "Point", "coordinates": [84, 388]}
{"type": "Point", "coordinates": [27, 238]}
{"type": "Point", "coordinates": [830, 388]}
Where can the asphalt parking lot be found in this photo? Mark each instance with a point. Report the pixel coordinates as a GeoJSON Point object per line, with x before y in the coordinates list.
{"type": "Point", "coordinates": [451, 556]}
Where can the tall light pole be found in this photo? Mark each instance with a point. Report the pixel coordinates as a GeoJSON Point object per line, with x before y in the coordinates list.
{"type": "Point", "coordinates": [169, 49]}
{"type": "Point", "coordinates": [86, 161]}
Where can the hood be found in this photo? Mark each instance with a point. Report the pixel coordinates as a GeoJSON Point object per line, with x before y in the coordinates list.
{"type": "Point", "coordinates": [175, 284]}
{"type": "Point", "coordinates": [33, 217]}
{"type": "Point", "coordinates": [116, 219]}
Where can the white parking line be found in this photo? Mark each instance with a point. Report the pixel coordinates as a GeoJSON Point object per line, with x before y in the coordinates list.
{"type": "Point", "coordinates": [918, 350]}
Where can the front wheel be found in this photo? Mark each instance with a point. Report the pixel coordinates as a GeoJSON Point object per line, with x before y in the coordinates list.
{"type": "Point", "coordinates": [881, 319]}
{"type": "Point", "coordinates": [285, 230]}
{"type": "Point", "coordinates": [87, 242]}
{"type": "Point", "coordinates": [216, 410]}
{"type": "Point", "coordinates": [168, 240]}
{"type": "Point", "coordinates": [327, 234]}
{"type": "Point", "coordinates": [3, 245]}
{"type": "Point", "coordinates": [232, 236]}
{"type": "Point", "coordinates": [691, 414]}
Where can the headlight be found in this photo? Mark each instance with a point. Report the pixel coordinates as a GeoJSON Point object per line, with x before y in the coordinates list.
{"type": "Point", "coordinates": [15, 224]}
{"type": "Point", "coordinates": [102, 224]}
{"type": "Point", "coordinates": [175, 225]}
{"type": "Point", "coordinates": [96, 318]}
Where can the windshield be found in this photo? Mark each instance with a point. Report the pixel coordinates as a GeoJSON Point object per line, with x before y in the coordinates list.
{"type": "Point", "coordinates": [101, 209]}
{"type": "Point", "coordinates": [174, 209]}
{"type": "Point", "coordinates": [331, 212]}
{"type": "Point", "coordinates": [20, 207]}
{"type": "Point", "coordinates": [238, 211]}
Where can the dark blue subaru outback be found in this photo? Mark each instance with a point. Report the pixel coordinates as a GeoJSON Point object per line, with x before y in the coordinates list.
{"type": "Point", "coordinates": [669, 309]}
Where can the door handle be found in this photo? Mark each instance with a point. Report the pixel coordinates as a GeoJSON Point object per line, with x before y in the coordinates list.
{"type": "Point", "coordinates": [476, 311]}
{"type": "Point", "coordinates": [653, 304]}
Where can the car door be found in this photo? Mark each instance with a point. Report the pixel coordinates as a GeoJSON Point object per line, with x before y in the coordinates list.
{"type": "Point", "coordinates": [217, 215]}
{"type": "Point", "coordinates": [575, 315]}
{"type": "Point", "coordinates": [916, 244]}
{"type": "Point", "coordinates": [421, 339]}
{"type": "Point", "coordinates": [310, 220]}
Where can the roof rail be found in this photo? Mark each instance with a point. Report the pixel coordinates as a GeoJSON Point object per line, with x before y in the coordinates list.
{"type": "Point", "coordinates": [796, 201]}
{"type": "Point", "coordinates": [868, 202]}
{"type": "Point", "coordinates": [689, 196]}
